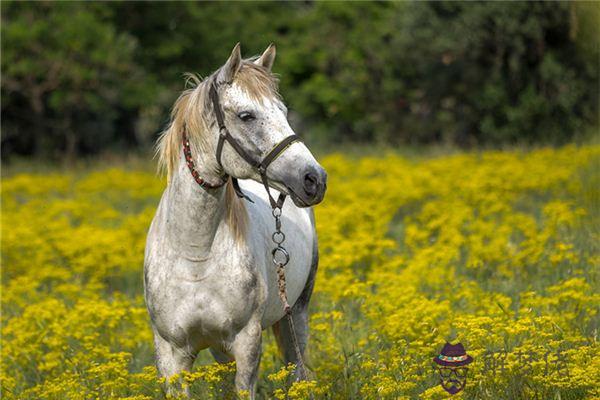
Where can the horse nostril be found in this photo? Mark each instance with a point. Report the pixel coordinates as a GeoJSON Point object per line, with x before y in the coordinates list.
{"type": "Point", "coordinates": [310, 184]}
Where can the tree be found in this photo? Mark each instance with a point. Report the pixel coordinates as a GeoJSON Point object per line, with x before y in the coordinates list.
{"type": "Point", "coordinates": [482, 73]}
{"type": "Point", "coordinates": [63, 66]}
{"type": "Point", "coordinates": [84, 77]}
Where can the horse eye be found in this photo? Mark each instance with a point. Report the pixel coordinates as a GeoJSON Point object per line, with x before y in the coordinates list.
{"type": "Point", "coordinates": [246, 116]}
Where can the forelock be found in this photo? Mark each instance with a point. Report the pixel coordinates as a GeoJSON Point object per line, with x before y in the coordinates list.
{"type": "Point", "coordinates": [259, 83]}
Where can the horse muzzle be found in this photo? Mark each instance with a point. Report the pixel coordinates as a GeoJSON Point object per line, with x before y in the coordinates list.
{"type": "Point", "coordinates": [309, 187]}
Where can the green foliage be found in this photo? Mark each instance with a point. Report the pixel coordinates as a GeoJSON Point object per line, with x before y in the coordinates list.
{"type": "Point", "coordinates": [81, 77]}
{"type": "Point", "coordinates": [466, 73]}
{"type": "Point", "coordinates": [63, 75]}
{"type": "Point", "coordinates": [337, 68]}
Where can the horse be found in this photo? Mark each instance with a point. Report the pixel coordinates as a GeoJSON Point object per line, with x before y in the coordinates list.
{"type": "Point", "coordinates": [209, 274]}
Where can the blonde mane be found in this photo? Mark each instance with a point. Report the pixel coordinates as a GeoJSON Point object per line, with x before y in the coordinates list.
{"type": "Point", "coordinates": [193, 111]}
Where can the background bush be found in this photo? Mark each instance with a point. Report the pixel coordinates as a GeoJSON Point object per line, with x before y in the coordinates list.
{"type": "Point", "coordinates": [79, 78]}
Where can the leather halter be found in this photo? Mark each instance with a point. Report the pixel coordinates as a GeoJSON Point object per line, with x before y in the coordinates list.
{"type": "Point", "coordinates": [260, 166]}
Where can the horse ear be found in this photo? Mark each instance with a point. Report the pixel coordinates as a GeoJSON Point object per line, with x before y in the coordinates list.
{"type": "Point", "coordinates": [267, 58]}
{"type": "Point", "coordinates": [232, 66]}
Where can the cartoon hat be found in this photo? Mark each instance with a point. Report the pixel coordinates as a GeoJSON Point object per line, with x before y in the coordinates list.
{"type": "Point", "coordinates": [453, 355]}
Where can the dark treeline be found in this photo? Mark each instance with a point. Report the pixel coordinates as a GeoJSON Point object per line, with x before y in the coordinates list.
{"type": "Point", "coordinates": [80, 78]}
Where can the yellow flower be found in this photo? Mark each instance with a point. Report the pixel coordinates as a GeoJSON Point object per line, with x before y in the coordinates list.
{"type": "Point", "coordinates": [496, 250]}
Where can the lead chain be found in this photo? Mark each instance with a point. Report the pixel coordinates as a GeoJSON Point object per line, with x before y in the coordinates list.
{"type": "Point", "coordinates": [280, 258]}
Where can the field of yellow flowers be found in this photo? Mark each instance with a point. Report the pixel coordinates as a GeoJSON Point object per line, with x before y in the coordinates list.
{"type": "Point", "coordinates": [496, 250]}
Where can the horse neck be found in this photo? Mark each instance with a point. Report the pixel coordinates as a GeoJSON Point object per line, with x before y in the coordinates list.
{"type": "Point", "coordinates": [193, 213]}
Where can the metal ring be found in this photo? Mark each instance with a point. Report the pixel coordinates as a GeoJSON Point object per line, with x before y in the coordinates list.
{"type": "Point", "coordinates": [277, 212]}
{"type": "Point", "coordinates": [280, 250]}
{"type": "Point", "coordinates": [278, 235]}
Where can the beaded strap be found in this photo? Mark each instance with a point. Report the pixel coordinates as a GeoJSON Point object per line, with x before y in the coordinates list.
{"type": "Point", "coordinates": [190, 163]}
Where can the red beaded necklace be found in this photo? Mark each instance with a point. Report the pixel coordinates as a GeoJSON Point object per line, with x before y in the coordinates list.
{"type": "Point", "coordinates": [190, 163]}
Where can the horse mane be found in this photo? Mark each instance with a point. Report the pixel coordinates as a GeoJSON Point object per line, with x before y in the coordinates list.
{"type": "Point", "coordinates": [193, 110]}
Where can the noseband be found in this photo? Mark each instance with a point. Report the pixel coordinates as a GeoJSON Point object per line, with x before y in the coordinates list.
{"type": "Point", "coordinates": [225, 136]}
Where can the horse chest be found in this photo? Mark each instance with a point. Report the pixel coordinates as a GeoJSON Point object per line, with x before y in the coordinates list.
{"type": "Point", "coordinates": [210, 309]}
{"type": "Point", "coordinates": [205, 294]}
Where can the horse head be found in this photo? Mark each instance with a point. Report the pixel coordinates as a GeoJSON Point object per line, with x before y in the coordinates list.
{"type": "Point", "coordinates": [255, 118]}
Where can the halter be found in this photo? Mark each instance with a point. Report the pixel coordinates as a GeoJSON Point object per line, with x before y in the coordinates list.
{"type": "Point", "coordinates": [224, 135]}
{"type": "Point", "coordinates": [260, 166]}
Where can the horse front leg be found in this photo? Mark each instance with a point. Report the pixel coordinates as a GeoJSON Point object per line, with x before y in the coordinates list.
{"type": "Point", "coordinates": [170, 361]}
{"type": "Point", "coordinates": [246, 350]}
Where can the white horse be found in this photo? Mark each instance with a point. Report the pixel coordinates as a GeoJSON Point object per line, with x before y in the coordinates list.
{"type": "Point", "coordinates": [209, 278]}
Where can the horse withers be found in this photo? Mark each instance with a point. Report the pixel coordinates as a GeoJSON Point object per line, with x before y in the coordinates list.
{"type": "Point", "coordinates": [209, 277]}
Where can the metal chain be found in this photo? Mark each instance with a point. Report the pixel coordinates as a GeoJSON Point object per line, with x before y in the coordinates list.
{"type": "Point", "coordinates": [281, 258]}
